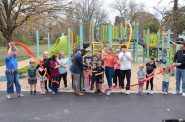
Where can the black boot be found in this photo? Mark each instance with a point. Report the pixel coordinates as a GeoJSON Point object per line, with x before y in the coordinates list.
{"type": "Point", "coordinates": [34, 92]}
{"type": "Point", "coordinates": [31, 92]}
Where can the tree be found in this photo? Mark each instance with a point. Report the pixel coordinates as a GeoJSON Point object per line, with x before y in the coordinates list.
{"type": "Point", "coordinates": [147, 20]}
{"type": "Point", "coordinates": [89, 9]}
{"type": "Point", "coordinates": [119, 20]}
{"type": "Point", "coordinates": [126, 8]}
{"type": "Point", "coordinates": [14, 13]}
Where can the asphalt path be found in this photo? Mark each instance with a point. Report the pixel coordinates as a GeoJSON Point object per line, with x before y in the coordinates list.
{"type": "Point", "coordinates": [67, 107]}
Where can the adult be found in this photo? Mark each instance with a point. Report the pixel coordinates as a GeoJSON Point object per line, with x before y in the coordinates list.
{"type": "Point", "coordinates": [179, 59]}
{"type": "Point", "coordinates": [125, 69]}
{"type": "Point", "coordinates": [77, 70]}
{"type": "Point", "coordinates": [62, 69]}
{"type": "Point", "coordinates": [11, 72]}
{"type": "Point", "coordinates": [110, 61]}
{"type": "Point", "coordinates": [46, 64]}
{"type": "Point", "coordinates": [54, 70]}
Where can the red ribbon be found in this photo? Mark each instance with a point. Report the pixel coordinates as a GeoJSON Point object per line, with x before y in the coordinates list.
{"type": "Point", "coordinates": [146, 79]}
{"type": "Point", "coordinates": [36, 60]}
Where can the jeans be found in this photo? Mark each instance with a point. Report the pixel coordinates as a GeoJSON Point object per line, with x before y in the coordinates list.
{"type": "Point", "coordinates": [126, 73]}
{"type": "Point", "coordinates": [12, 78]}
{"type": "Point", "coordinates": [109, 72]}
{"type": "Point", "coordinates": [64, 76]}
{"type": "Point", "coordinates": [54, 85]}
{"type": "Point", "coordinates": [165, 86]}
{"type": "Point", "coordinates": [180, 74]}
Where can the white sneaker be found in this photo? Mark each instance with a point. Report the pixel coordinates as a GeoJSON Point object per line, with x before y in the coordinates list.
{"type": "Point", "coordinates": [8, 96]}
{"type": "Point", "coordinates": [151, 92]}
{"type": "Point", "coordinates": [183, 94]}
{"type": "Point", "coordinates": [20, 95]}
{"type": "Point", "coordinates": [147, 92]}
{"type": "Point", "coordinates": [166, 93]}
{"type": "Point", "coordinates": [127, 92]}
{"type": "Point", "coordinates": [122, 91]}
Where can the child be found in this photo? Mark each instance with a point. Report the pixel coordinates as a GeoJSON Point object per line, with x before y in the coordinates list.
{"type": "Point", "coordinates": [87, 75]}
{"type": "Point", "coordinates": [165, 82]}
{"type": "Point", "coordinates": [150, 70]}
{"type": "Point", "coordinates": [94, 64]}
{"type": "Point", "coordinates": [42, 78]}
{"type": "Point", "coordinates": [54, 69]}
{"type": "Point", "coordinates": [98, 76]}
{"type": "Point", "coordinates": [141, 76]}
{"type": "Point", "coordinates": [32, 78]}
{"type": "Point", "coordinates": [116, 71]}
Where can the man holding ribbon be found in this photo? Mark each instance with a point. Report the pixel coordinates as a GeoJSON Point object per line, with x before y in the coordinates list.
{"type": "Point", "coordinates": [77, 70]}
{"type": "Point", "coordinates": [11, 72]}
{"type": "Point", "coordinates": [179, 59]}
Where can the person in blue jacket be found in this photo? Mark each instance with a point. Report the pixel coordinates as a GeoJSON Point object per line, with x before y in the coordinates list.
{"type": "Point", "coordinates": [77, 70]}
{"type": "Point", "coordinates": [11, 72]}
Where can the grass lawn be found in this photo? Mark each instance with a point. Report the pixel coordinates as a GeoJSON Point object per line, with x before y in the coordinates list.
{"type": "Point", "coordinates": [22, 53]}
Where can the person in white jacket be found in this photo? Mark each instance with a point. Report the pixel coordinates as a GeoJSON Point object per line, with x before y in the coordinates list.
{"type": "Point", "coordinates": [125, 68]}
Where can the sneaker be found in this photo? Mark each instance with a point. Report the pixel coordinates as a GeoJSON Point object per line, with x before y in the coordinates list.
{"type": "Point", "coordinates": [79, 94]}
{"type": "Point", "coordinates": [109, 92]}
{"type": "Point", "coordinates": [165, 93]}
{"type": "Point", "coordinates": [100, 93]}
{"type": "Point", "coordinates": [122, 91]}
{"type": "Point", "coordinates": [66, 88]}
{"type": "Point", "coordinates": [183, 94]}
{"type": "Point", "coordinates": [8, 96]}
{"type": "Point", "coordinates": [21, 95]}
{"type": "Point", "coordinates": [127, 92]}
{"type": "Point", "coordinates": [96, 92]}
{"type": "Point", "coordinates": [53, 93]}
{"type": "Point", "coordinates": [34, 93]}
{"type": "Point", "coordinates": [139, 93]}
{"type": "Point", "coordinates": [151, 92]}
{"type": "Point", "coordinates": [147, 92]}
{"type": "Point", "coordinates": [31, 92]}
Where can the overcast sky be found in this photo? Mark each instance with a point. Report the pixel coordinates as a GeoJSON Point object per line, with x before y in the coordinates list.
{"type": "Point", "coordinates": [149, 4]}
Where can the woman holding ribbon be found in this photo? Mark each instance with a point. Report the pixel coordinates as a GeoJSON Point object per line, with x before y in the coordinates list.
{"type": "Point", "coordinates": [11, 72]}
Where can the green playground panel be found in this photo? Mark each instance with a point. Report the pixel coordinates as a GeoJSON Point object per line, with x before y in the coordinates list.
{"type": "Point", "coordinates": [115, 32]}
{"type": "Point", "coordinates": [153, 39]}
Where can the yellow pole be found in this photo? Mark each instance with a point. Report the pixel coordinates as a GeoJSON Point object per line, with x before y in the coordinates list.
{"type": "Point", "coordinates": [130, 37]}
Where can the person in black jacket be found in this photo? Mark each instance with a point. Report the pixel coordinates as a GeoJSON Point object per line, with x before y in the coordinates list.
{"type": "Point", "coordinates": [46, 64]}
{"type": "Point", "coordinates": [77, 70]}
{"type": "Point", "coordinates": [179, 59]}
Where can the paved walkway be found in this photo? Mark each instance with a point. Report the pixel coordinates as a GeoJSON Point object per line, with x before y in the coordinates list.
{"type": "Point", "coordinates": [66, 107]}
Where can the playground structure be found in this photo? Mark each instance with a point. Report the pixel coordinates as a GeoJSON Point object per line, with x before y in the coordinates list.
{"type": "Point", "coordinates": [156, 45]}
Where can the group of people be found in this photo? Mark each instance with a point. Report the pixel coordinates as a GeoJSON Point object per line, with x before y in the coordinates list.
{"type": "Point", "coordinates": [89, 70]}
